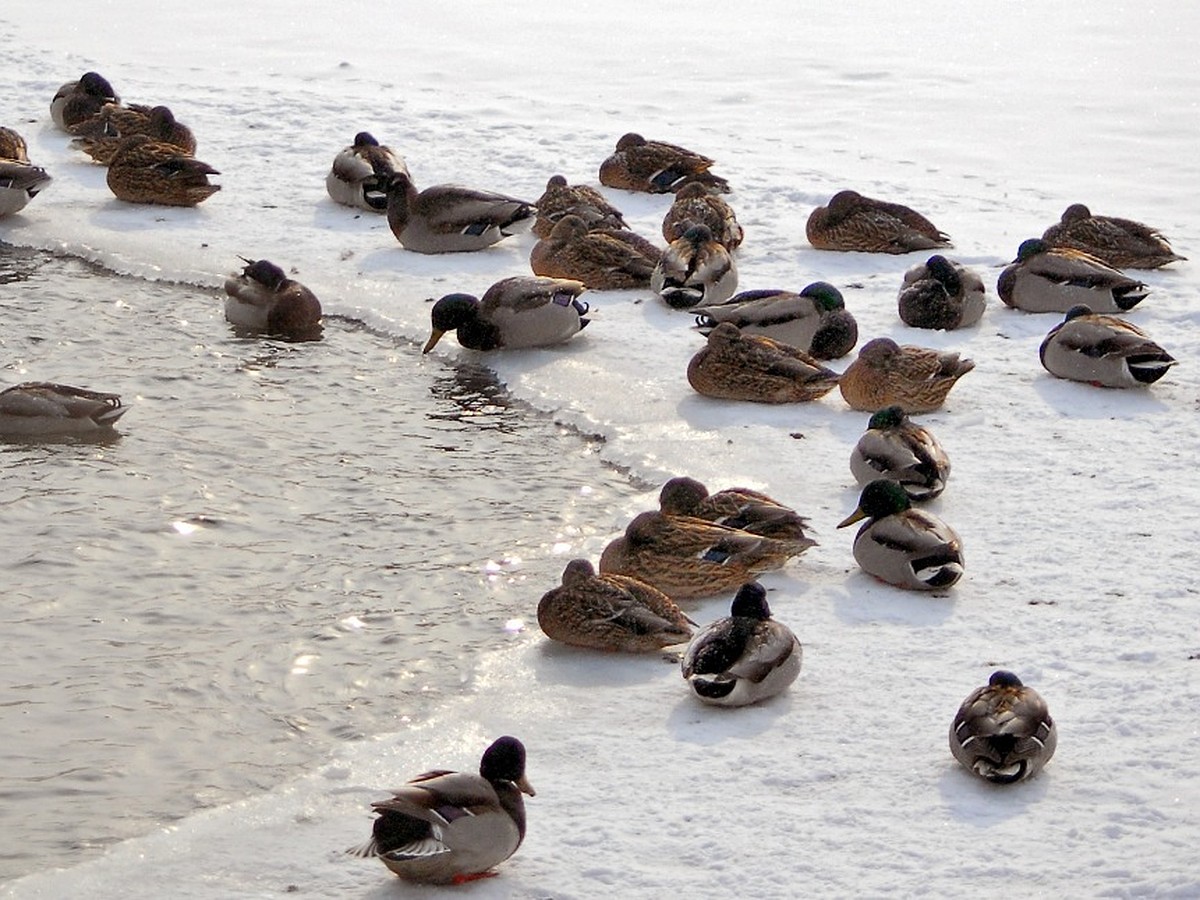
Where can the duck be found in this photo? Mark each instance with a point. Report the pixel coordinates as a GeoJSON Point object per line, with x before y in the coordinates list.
{"type": "Point", "coordinates": [736, 507]}
{"type": "Point", "coordinates": [601, 259]}
{"type": "Point", "coordinates": [143, 170]}
{"type": "Point", "coordinates": [814, 320]}
{"type": "Point", "coordinates": [694, 270]}
{"type": "Point", "coordinates": [610, 612]}
{"type": "Point", "coordinates": [100, 135]}
{"type": "Point", "coordinates": [45, 409]}
{"type": "Point", "coordinates": [20, 182]}
{"type": "Point", "coordinates": [898, 449]}
{"type": "Point", "coordinates": [582, 200]}
{"type": "Point", "coordinates": [1053, 279]}
{"type": "Point", "coordinates": [902, 545]}
{"type": "Point", "coordinates": [78, 100]}
{"type": "Point", "coordinates": [262, 298]}
{"type": "Point", "coordinates": [1003, 731]}
{"type": "Point", "coordinates": [736, 366]}
{"type": "Point", "coordinates": [446, 827]}
{"type": "Point", "coordinates": [361, 172]}
{"type": "Point", "coordinates": [887, 373]}
{"type": "Point", "coordinates": [851, 221]}
{"type": "Point", "coordinates": [744, 658]}
{"type": "Point", "coordinates": [12, 146]}
{"type": "Point", "coordinates": [1121, 243]}
{"type": "Point", "coordinates": [1103, 350]}
{"type": "Point", "coordinates": [941, 293]}
{"type": "Point", "coordinates": [447, 218]}
{"type": "Point", "coordinates": [687, 558]}
{"type": "Point", "coordinates": [516, 312]}
{"type": "Point", "coordinates": [656, 167]}
{"type": "Point", "coordinates": [698, 204]}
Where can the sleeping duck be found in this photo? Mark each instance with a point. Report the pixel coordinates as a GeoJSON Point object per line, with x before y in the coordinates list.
{"type": "Point", "coordinates": [815, 320]}
{"type": "Point", "coordinates": [1122, 243]}
{"type": "Point", "coordinates": [262, 298]}
{"type": "Point", "coordinates": [1106, 351]}
{"type": "Point", "coordinates": [853, 222]}
{"type": "Point", "coordinates": [361, 173]}
{"type": "Point", "coordinates": [1053, 279]}
{"type": "Point", "coordinates": [43, 409]}
{"type": "Point", "coordinates": [915, 378]}
{"type": "Point", "coordinates": [1003, 731]}
{"type": "Point", "coordinates": [896, 448]}
{"type": "Point", "coordinates": [745, 657]}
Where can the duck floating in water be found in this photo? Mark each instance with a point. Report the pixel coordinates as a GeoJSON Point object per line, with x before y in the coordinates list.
{"type": "Point", "coordinates": [1106, 351]}
{"type": "Point", "coordinates": [851, 221]}
{"type": "Point", "coordinates": [447, 827]}
{"type": "Point", "coordinates": [736, 366]}
{"type": "Point", "coordinates": [361, 173]}
{"type": "Point", "coordinates": [1121, 243]}
{"type": "Point", "coordinates": [686, 557]}
{"type": "Point", "coordinates": [262, 298]}
{"type": "Point", "coordinates": [562, 199]}
{"type": "Point", "coordinates": [941, 294]}
{"type": "Point", "coordinates": [600, 258]}
{"type": "Point", "coordinates": [656, 167]}
{"type": "Point", "coordinates": [736, 507]}
{"type": "Point", "coordinates": [744, 658]}
{"type": "Point", "coordinates": [79, 100]}
{"type": "Point", "coordinates": [896, 448]}
{"type": "Point", "coordinates": [515, 312]}
{"type": "Point", "coordinates": [915, 378]}
{"type": "Point", "coordinates": [1003, 731]}
{"type": "Point", "coordinates": [447, 218]}
{"type": "Point", "coordinates": [1053, 279]}
{"type": "Point", "coordinates": [101, 135]}
{"type": "Point", "coordinates": [695, 270]}
{"type": "Point", "coordinates": [610, 612]}
{"type": "Point", "coordinates": [698, 204]}
{"type": "Point", "coordinates": [44, 409]}
{"type": "Point", "coordinates": [815, 320]}
{"type": "Point", "coordinates": [143, 170]}
{"type": "Point", "coordinates": [901, 545]}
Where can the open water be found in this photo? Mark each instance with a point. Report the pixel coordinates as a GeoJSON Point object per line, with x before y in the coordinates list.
{"type": "Point", "coordinates": [286, 546]}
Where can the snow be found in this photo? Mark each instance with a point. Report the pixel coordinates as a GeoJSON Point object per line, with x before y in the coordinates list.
{"type": "Point", "coordinates": [1074, 503]}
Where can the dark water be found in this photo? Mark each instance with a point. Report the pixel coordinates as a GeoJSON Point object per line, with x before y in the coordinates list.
{"type": "Point", "coordinates": [288, 545]}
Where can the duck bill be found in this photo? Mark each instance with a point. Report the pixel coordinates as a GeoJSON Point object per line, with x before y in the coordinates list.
{"type": "Point", "coordinates": [857, 516]}
{"type": "Point", "coordinates": [525, 787]}
{"type": "Point", "coordinates": [433, 339]}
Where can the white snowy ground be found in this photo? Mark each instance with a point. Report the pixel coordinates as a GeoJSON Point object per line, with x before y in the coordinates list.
{"type": "Point", "coordinates": [1076, 504]}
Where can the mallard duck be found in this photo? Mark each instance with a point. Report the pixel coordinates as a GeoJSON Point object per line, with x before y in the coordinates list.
{"type": "Point", "coordinates": [43, 409]}
{"type": "Point", "coordinates": [815, 320]}
{"type": "Point", "coordinates": [100, 135]}
{"type": "Point", "coordinates": [601, 259]}
{"type": "Point", "coordinates": [562, 199]}
{"type": "Point", "coordinates": [20, 183]}
{"type": "Point", "coordinates": [1122, 243]}
{"type": "Point", "coordinates": [447, 218]}
{"type": "Point", "coordinates": [737, 507]}
{"type": "Point", "coordinates": [447, 827]}
{"type": "Point", "coordinates": [736, 366]}
{"type": "Point", "coordinates": [1103, 350]}
{"type": "Point", "coordinates": [853, 222]}
{"type": "Point", "coordinates": [687, 558]}
{"type": "Point", "coordinates": [263, 298]}
{"type": "Point", "coordinates": [1053, 279]}
{"type": "Point", "coordinates": [744, 658]}
{"type": "Point", "coordinates": [361, 173]}
{"type": "Point", "coordinates": [901, 545]}
{"type": "Point", "coordinates": [12, 146]}
{"type": "Point", "coordinates": [694, 270]}
{"type": "Point", "coordinates": [1003, 731]}
{"type": "Point", "coordinates": [610, 612]}
{"type": "Point", "coordinates": [514, 312]}
{"type": "Point", "coordinates": [78, 100]}
{"type": "Point", "coordinates": [698, 204]}
{"type": "Point", "coordinates": [886, 373]}
{"type": "Point", "coordinates": [143, 170]}
{"type": "Point", "coordinates": [656, 167]}
{"type": "Point", "coordinates": [941, 293]}
{"type": "Point", "coordinates": [896, 448]}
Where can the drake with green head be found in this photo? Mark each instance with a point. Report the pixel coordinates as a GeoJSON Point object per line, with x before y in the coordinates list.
{"type": "Point", "coordinates": [1003, 731]}
{"type": "Point", "coordinates": [1053, 279]}
{"type": "Point", "coordinates": [815, 320]}
{"type": "Point", "coordinates": [1106, 351]}
{"type": "Point", "coordinates": [896, 448]}
{"type": "Point", "coordinates": [941, 294]}
{"type": "Point", "coordinates": [516, 312]}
